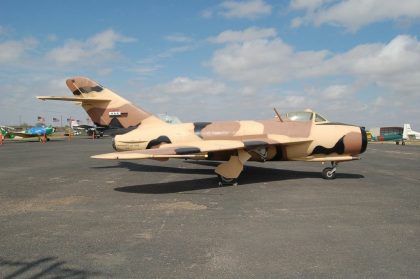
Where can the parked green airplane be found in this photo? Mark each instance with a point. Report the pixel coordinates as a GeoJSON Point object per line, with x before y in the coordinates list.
{"type": "Point", "coordinates": [5, 133]}
{"type": "Point", "coordinates": [390, 137]}
{"type": "Point", "coordinates": [40, 131]}
{"type": "Point", "coordinates": [389, 134]}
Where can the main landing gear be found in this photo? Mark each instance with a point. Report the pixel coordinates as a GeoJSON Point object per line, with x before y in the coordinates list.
{"type": "Point", "coordinates": [224, 181]}
{"type": "Point", "coordinates": [228, 172]}
{"type": "Point", "coordinates": [329, 173]}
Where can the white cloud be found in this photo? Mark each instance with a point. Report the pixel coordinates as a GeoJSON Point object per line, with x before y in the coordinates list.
{"type": "Point", "coordinates": [386, 72]}
{"type": "Point", "coordinates": [265, 61]}
{"type": "Point", "coordinates": [178, 38]}
{"type": "Point", "coordinates": [249, 34]}
{"type": "Point", "coordinates": [52, 37]}
{"type": "Point", "coordinates": [271, 61]}
{"type": "Point", "coordinates": [393, 65]}
{"type": "Point", "coordinates": [12, 51]}
{"type": "Point", "coordinates": [143, 69]}
{"type": "Point", "coordinates": [353, 14]}
{"type": "Point", "coordinates": [295, 101]}
{"type": "Point", "coordinates": [358, 86]}
{"type": "Point", "coordinates": [3, 30]}
{"type": "Point", "coordinates": [98, 47]}
{"type": "Point", "coordinates": [107, 40]}
{"type": "Point", "coordinates": [185, 85]}
{"type": "Point", "coordinates": [307, 4]}
{"type": "Point", "coordinates": [250, 9]}
{"type": "Point", "coordinates": [207, 13]}
{"type": "Point", "coordinates": [336, 92]}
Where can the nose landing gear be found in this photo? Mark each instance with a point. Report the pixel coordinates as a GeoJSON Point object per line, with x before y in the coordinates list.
{"type": "Point", "coordinates": [330, 172]}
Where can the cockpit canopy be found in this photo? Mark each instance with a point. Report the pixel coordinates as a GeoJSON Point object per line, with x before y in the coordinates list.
{"type": "Point", "coordinates": [304, 116]}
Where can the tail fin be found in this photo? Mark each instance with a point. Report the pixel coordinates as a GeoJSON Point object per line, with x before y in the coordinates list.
{"type": "Point", "coordinates": [104, 107]}
{"type": "Point", "coordinates": [406, 131]}
{"type": "Point", "coordinates": [407, 127]}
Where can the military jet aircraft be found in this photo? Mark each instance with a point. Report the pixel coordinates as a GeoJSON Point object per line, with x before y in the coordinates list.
{"type": "Point", "coordinates": [296, 136]}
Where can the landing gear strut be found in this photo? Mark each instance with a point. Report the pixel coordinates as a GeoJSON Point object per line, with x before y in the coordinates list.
{"type": "Point", "coordinates": [229, 171]}
{"type": "Point", "coordinates": [329, 173]}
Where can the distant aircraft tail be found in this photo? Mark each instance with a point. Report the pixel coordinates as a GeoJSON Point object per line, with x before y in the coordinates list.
{"type": "Point", "coordinates": [104, 107]}
{"type": "Point", "coordinates": [408, 133]}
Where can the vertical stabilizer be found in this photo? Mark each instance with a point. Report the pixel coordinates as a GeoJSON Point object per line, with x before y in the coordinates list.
{"type": "Point", "coordinates": [408, 133]}
{"type": "Point", "coordinates": [104, 107]}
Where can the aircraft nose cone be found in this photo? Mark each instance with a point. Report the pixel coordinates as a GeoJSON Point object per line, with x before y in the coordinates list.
{"type": "Point", "coordinates": [364, 140]}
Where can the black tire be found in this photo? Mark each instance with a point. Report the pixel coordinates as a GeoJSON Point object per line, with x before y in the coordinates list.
{"type": "Point", "coordinates": [328, 174]}
{"type": "Point", "coordinates": [224, 181]}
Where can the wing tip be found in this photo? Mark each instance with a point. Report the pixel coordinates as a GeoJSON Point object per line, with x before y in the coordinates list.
{"type": "Point", "coordinates": [105, 157]}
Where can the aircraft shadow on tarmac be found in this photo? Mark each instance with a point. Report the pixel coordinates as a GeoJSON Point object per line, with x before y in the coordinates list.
{"type": "Point", "coordinates": [250, 175]}
{"type": "Point", "coordinates": [48, 267]}
{"type": "Point", "coordinates": [161, 169]}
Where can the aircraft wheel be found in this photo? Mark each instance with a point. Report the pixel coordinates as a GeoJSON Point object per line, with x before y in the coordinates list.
{"type": "Point", "coordinates": [224, 181]}
{"type": "Point", "coordinates": [328, 173]}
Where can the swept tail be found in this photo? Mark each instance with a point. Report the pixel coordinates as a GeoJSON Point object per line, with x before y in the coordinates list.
{"type": "Point", "coordinates": [104, 107]}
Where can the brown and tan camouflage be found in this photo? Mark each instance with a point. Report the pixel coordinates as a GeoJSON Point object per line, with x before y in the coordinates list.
{"type": "Point", "coordinates": [239, 141]}
{"type": "Point", "coordinates": [293, 140]}
{"type": "Point", "coordinates": [103, 106]}
{"type": "Point", "coordinates": [286, 138]}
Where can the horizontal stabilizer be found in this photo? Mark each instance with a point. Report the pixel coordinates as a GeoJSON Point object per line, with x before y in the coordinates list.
{"type": "Point", "coordinates": [73, 99]}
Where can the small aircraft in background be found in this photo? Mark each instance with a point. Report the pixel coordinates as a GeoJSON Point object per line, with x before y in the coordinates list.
{"type": "Point", "coordinates": [5, 132]}
{"type": "Point", "coordinates": [88, 129]}
{"type": "Point", "coordinates": [409, 134]}
{"type": "Point", "coordinates": [41, 131]}
{"type": "Point", "coordinates": [388, 134]}
{"type": "Point", "coordinates": [98, 132]}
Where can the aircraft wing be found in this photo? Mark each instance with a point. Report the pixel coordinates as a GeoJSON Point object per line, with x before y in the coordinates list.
{"type": "Point", "coordinates": [73, 99]}
{"type": "Point", "coordinates": [24, 135]}
{"type": "Point", "coordinates": [193, 149]}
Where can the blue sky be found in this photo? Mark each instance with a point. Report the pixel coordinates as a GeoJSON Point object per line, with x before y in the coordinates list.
{"type": "Point", "coordinates": [353, 61]}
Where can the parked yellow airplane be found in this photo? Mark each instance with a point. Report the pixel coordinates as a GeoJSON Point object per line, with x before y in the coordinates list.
{"type": "Point", "coordinates": [297, 136]}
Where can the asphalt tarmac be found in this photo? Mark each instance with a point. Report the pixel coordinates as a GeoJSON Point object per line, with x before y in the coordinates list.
{"type": "Point", "coordinates": [64, 215]}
